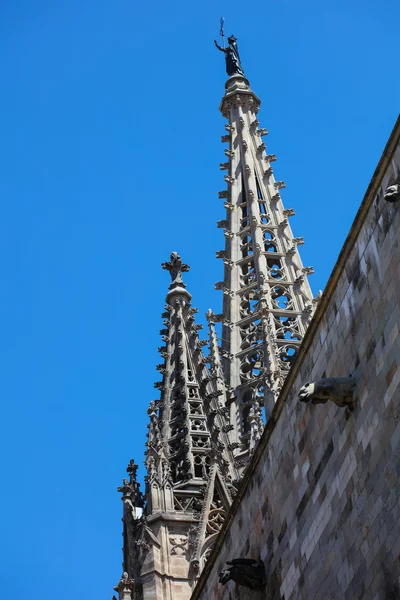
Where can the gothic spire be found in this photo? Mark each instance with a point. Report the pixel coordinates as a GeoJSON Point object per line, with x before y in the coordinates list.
{"type": "Point", "coordinates": [267, 300]}
{"type": "Point", "coordinates": [207, 420]}
{"type": "Point", "coordinates": [191, 474]}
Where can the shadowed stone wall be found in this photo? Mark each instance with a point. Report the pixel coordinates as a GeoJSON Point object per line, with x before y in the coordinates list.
{"type": "Point", "coordinates": [320, 503]}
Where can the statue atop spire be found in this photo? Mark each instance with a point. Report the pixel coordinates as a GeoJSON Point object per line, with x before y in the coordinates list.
{"type": "Point", "coordinates": [176, 268]}
{"type": "Point", "coordinates": [232, 58]}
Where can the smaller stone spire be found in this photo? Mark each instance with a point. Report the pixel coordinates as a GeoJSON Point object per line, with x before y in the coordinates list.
{"type": "Point", "coordinates": [215, 358]}
{"type": "Point", "coordinates": [130, 489]}
{"type": "Point", "coordinates": [191, 472]}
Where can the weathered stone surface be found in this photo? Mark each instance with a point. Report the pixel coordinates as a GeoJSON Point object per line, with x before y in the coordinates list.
{"type": "Point", "coordinates": [320, 501]}
{"type": "Point", "coordinates": [268, 303]}
{"type": "Point", "coordinates": [339, 390]}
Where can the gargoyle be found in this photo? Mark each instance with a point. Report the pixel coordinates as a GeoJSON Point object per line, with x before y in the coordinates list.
{"type": "Point", "coordinates": [392, 193]}
{"type": "Point", "coordinates": [244, 571]}
{"type": "Point", "coordinates": [337, 389]}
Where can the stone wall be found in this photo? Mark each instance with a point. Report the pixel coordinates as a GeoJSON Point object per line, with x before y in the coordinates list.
{"type": "Point", "coordinates": [320, 502]}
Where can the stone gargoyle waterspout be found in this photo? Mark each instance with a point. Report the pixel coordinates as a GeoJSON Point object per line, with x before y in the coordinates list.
{"type": "Point", "coordinates": [339, 390]}
{"type": "Point", "coordinates": [244, 571]}
{"type": "Point", "coordinates": [392, 193]}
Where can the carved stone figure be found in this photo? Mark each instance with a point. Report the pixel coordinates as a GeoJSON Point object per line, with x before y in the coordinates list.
{"type": "Point", "coordinates": [178, 542]}
{"type": "Point", "coordinates": [337, 389]}
{"type": "Point", "coordinates": [151, 469]}
{"type": "Point", "coordinates": [232, 58]}
{"type": "Point", "coordinates": [166, 470]}
{"type": "Point", "coordinates": [125, 584]}
{"type": "Point", "coordinates": [392, 193]}
{"type": "Point", "coordinates": [125, 488]}
{"type": "Point", "coordinates": [244, 571]}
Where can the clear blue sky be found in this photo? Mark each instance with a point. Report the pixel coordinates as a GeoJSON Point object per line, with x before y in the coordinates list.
{"type": "Point", "coordinates": [109, 160]}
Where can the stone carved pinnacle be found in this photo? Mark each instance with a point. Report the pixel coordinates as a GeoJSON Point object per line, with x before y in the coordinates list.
{"type": "Point", "coordinates": [132, 469]}
{"type": "Point", "coordinates": [175, 267]}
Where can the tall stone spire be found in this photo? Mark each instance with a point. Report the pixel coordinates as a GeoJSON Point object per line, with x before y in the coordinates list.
{"type": "Point", "coordinates": [267, 300]}
{"type": "Point", "coordinates": [190, 467]}
{"type": "Point", "coordinates": [208, 419]}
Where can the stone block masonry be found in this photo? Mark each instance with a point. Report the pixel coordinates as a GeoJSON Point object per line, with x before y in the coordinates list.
{"type": "Point", "coordinates": [320, 501]}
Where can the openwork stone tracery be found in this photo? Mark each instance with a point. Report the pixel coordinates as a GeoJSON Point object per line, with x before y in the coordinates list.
{"type": "Point", "coordinates": [267, 302]}
{"type": "Point", "coordinates": [189, 461]}
{"type": "Point", "coordinates": [208, 418]}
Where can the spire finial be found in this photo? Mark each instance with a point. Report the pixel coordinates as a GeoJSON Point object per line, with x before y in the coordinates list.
{"type": "Point", "coordinates": [176, 267]}
{"type": "Point", "coordinates": [131, 469]}
{"type": "Point", "coordinates": [232, 58]}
